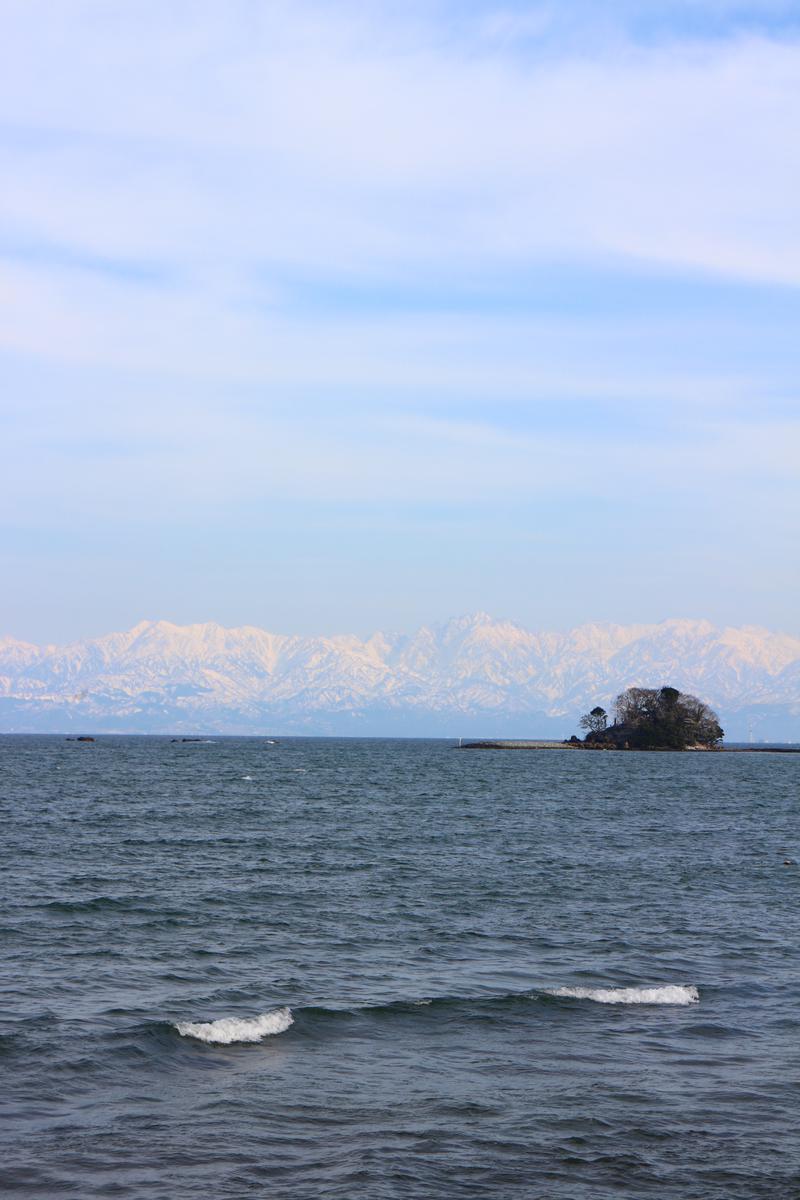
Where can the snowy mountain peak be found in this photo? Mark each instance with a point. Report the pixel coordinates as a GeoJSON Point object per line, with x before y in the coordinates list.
{"type": "Point", "coordinates": [492, 673]}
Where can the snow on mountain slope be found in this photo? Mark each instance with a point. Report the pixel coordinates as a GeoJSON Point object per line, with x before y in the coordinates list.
{"type": "Point", "coordinates": [164, 676]}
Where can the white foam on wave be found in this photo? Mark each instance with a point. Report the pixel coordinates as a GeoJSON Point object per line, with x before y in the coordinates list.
{"type": "Point", "coordinates": [670, 993]}
{"type": "Point", "coordinates": [238, 1029]}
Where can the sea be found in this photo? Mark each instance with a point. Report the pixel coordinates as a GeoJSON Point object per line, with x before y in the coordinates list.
{"type": "Point", "coordinates": [319, 968]}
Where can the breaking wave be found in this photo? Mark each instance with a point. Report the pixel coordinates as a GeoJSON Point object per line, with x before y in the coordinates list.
{"type": "Point", "coordinates": [676, 993]}
{"type": "Point", "coordinates": [238, 1029]}
{"type": "Point", "coordinates": [228, 1030]}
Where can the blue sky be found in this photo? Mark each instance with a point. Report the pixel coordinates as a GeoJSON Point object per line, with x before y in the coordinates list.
{"type": "Point", "coordinates": [354, 315]}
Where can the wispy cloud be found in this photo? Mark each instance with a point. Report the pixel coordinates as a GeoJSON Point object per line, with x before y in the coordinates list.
{"type": "Point", "coordinates": [310, 135]}
{"type": "Point", "coordinates": [472, 254]}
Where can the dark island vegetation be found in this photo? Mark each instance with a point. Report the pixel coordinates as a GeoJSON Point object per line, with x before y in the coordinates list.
{"type": "Point", "coordinates": [652, 719]}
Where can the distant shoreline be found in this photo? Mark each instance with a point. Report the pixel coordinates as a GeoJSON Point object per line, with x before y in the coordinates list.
{"type": "Point", "coordinates": [103, 735]}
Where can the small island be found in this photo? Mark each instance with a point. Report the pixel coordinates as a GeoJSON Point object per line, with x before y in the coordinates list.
{"type": "Point", "coordinates": [652, 719]}
{"type": "Point", "coordinates": [644, 719]}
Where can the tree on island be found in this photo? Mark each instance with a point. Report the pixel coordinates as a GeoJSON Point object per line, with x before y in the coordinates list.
{"type": "Point", "coordinates": [594, 721]}
{"type": "Point", "coordinates": [654, 719]}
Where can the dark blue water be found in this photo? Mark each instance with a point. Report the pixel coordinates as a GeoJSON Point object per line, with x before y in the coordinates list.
{"type": "Point", "coordinates": [415, 908]}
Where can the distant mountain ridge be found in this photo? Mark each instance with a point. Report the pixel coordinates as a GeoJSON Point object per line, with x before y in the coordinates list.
{"type": "Point", "coordinates": [473, 674]}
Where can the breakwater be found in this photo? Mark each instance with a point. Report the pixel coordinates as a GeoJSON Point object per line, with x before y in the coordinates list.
{"type": "Point", "coordinates": [519, 744]}
{"type": "Point", "coordinates": [513, 744]}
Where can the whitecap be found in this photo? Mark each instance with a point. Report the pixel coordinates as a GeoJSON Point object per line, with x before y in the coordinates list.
{"type": "Point", "coordinates": [671, 993]}
{"type": "Point", "coordinates": [238, 1029]}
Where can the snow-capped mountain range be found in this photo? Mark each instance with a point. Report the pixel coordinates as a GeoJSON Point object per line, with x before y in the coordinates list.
{"type": "Point", "coordinates": [473, 675]}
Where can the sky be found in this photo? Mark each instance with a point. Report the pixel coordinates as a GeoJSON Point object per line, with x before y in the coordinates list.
{"type": "Point", "coordinates": [349, 316]}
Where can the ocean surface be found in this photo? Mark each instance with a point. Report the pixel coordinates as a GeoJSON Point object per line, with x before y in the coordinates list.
{"type": "Point", "coordinates": [373, 969]}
